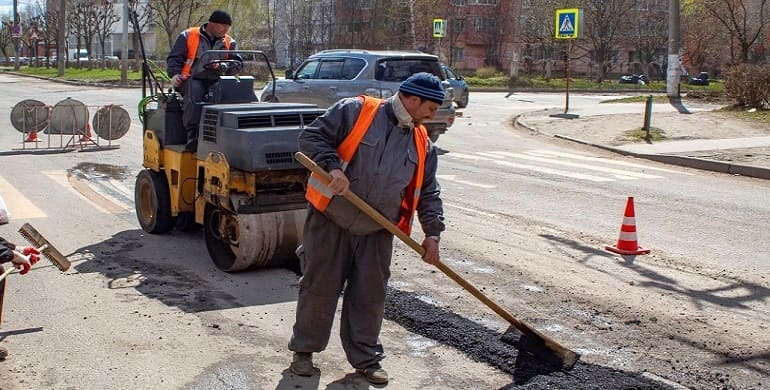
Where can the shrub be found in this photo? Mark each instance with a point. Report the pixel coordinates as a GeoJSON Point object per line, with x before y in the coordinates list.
{"type": "Point", "coordinates": [748, 84]}
{"type": "Point", "coordinates": [485, 73]}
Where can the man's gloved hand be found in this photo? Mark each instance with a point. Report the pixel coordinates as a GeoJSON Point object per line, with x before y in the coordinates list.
{"type": "Point", "coordinates": [178, 80]}
{"type": "Point", "coordinates": [28, 250]}
{"type": "Point", "coordinates": [24, 262]}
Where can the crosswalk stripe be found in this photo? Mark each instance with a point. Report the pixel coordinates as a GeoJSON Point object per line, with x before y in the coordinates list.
{"type": "Point", "coordinates": [544, 152]}
{"type": "Point", "coordinates": [453, 178]}
{"type": "Point", "coordinates": [619, 173]}
{"type": "Point", "coordinates": [18, 205]}
{"type": "Point", "coordinates": [468, 156]}
{"type": "Point", "coordinates": [552, 171]}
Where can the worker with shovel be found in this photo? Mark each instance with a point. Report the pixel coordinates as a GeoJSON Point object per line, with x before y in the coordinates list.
{"type": "Point", "coordinates": [379, 150]}
{"type": "Point", "coordinates": [22, 258]}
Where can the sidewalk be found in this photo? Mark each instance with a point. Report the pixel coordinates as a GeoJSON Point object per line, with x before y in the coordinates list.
{"type": "Point", "coordinates": [701, 138]}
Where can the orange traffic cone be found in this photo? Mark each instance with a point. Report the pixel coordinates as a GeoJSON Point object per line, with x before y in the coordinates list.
{"type": "Point", "coordinates": [87, 134]}
{"type": "Point", "coordinates": [32, 137]}
{"type": "Point", "coordinates": [627, 244]}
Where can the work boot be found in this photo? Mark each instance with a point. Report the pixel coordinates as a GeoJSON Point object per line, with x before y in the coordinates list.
{"type": "Point", "coordinates": [375, 374]}
{"type": "Point", "coordinates": [3, 354]}
{"type": "Point", "coordinates": [302, 364]}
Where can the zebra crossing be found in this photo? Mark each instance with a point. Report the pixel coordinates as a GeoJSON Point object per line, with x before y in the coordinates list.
{"type": "Point", "coordinates": [104, 195]}
{"type": "Point", "coordinates": [561, 164]}
{"type": "Point", "coordinates": [113, 196]}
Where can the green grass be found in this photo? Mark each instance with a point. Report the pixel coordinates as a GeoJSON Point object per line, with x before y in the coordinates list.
{"type": "Point", "coordinates": [639, 135]}
{"type": "Point", "coordinates": [83, 74]}
{"type": "Point", "coordinates": [761, 116]}
{"type": "Point", "coordinates": [560, 84]}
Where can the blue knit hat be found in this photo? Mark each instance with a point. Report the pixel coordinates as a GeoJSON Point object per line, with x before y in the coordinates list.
{"type": "Point", "coordinates": [424, 85]}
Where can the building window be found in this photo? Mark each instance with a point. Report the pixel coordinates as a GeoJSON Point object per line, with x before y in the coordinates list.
{"type": "Point", "coordinates": [458, 25]}
{"type": "Point", "coordinates": [482, 2]}
{"type": "Point", "coordinates": [458, 3]}
{"type": "Point", "coordinates": [484, 24]}
{"type": "Point", "coordinates": [458, 54]}
{"type": "Point", "coordinates": [366, 4]}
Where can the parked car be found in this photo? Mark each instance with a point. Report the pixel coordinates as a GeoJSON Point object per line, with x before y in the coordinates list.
{"type": "Point", "coordinates": [634, 79]}
{"type": "Point", "coordinates": [330, 75]}
{"type": "Point", "coordinates": [701, 79]}
{"type": "Point", "coordinates": [458, 84]}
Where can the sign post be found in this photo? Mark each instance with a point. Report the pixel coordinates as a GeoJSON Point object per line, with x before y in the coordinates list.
{"type": "Point", "coordinates": [439, 31]}
{"type": "Point", "coordinates": [568, 25]}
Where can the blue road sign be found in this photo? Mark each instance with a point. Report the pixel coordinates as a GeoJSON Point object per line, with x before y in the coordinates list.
{"type": "Point", "coordinates": [567, 23]}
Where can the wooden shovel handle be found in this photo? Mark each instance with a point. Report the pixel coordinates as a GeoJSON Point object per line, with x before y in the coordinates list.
{"type": "Point", "coordinates": [384, 222]}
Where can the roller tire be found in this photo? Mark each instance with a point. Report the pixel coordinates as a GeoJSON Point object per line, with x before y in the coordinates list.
{"type": "Point", "coordinates": [152, 202]}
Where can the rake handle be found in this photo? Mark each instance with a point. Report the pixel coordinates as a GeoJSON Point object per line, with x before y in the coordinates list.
{"type": "Point", "coordinates": [384, 222]}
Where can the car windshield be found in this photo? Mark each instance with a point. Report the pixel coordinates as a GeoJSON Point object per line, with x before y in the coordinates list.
{"type": "Point", "coordinates": [399, 70]}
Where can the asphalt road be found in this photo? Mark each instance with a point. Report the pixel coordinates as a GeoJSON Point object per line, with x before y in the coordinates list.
{"type": "Point", "coordinates": [528, 220]}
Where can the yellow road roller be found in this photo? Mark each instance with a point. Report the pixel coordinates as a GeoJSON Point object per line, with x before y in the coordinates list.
{"type": "Point", "coordinates": [242, 186]}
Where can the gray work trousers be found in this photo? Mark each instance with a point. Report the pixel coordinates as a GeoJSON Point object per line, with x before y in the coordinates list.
{"type": "Point", "coordinates": [193, 91]}
{"type": "Point", "coordinates": [334, 259]}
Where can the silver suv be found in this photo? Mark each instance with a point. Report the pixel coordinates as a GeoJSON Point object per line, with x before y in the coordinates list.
{"type": "Point", "coordinates": [330, 75]}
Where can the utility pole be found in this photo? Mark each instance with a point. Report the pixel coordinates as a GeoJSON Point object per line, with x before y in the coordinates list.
{"type": "Point", "coordinates": [674, 67]}
{"type": "Point", "coordinates": [124, 49]}
{"type": "Point", "coordinates": [61, 53]}
{"type": "Point", "coordinates": [15, 33]}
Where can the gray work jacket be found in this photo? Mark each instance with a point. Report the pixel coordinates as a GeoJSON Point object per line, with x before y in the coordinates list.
{"type": "Point", "coordinates": [380, 170]}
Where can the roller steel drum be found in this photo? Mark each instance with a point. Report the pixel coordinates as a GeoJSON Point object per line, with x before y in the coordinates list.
{"type": "Point", "coordinates": [69, 116]}
{"type": "Point", "coordinates": [111, 122]}
{"type": "Point", "coordinates": [30, 116]}
{"type": "Point", "coordinates": [257, 240]}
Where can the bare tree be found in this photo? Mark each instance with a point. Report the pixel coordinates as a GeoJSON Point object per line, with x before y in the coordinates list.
{"type": "Point", "coordinates": [172, 16]}
{"type": "Point", "coordinates": [743, 19]}
{"type": "Point", "coordinates": [702, 38]}
{"type": "Point", "coordinates": [6, 42]}
{"type": "Point", "coordinates": [105, 18]}
{"type": "Point", "coordinates": [649, 36]}
{"type": "Point", "coordinates": [537, 34]}
{"type": "Point", "coordinates": [604, 22]}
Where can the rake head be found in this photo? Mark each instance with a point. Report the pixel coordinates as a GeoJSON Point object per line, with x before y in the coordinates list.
{"type": "Point", "coordinates": [45, 247]}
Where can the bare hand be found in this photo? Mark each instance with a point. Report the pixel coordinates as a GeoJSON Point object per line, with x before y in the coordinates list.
{"type": "Point", "coordinates": [431, 251]}
{"type": "Point", "coordinates": [339, 183]}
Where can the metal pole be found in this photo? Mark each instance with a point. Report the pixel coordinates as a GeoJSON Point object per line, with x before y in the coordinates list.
{"type": "Point", "coordinates": [569, 74]}
{"type": "Point", "coordinates": [672, 79]}
{"type": "Point", "coordinates": [16, 25]}
{"type": "Point", "coordinates": [60, 50]}
{"type": "Point", "coordinates": [124, 50]}
{"type": "Point", "coordinates": [647, 116]}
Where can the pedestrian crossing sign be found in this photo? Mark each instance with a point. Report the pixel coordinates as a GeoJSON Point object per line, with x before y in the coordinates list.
{"type": "Point", "coordinates": [439, 28]}
{"type": "Point", "coordinates": [568, 23]}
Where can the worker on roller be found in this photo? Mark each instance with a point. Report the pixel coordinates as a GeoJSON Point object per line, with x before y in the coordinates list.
{"type": "Point", "coordinates": [194, 77]}
{"type": "Point", "coordinates": [22, 257]}
{"type": "Point", "coordinates": [379, 150]}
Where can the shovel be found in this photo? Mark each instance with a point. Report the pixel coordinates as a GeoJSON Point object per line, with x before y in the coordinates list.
{"type": "Point", "coordinates": [532, 341]}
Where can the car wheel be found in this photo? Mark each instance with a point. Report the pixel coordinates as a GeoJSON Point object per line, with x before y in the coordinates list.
{"type": "Point", "coordinates": [463, 102]}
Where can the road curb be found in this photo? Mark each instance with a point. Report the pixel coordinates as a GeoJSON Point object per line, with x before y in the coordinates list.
{"type": "Point", "coordinates": [684, 161]}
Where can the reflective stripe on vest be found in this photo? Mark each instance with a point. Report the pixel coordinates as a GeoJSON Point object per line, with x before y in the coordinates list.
{"type": "Point", "coordinates": [193, 40]}
{"type": "Point", "coordinates": [319, 195]}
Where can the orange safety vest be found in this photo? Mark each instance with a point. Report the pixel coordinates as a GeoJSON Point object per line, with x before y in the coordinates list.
{"type": "Point", "coordinates": [193, 39]}
{"type": "Point", "coordinates": [319, 195]}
